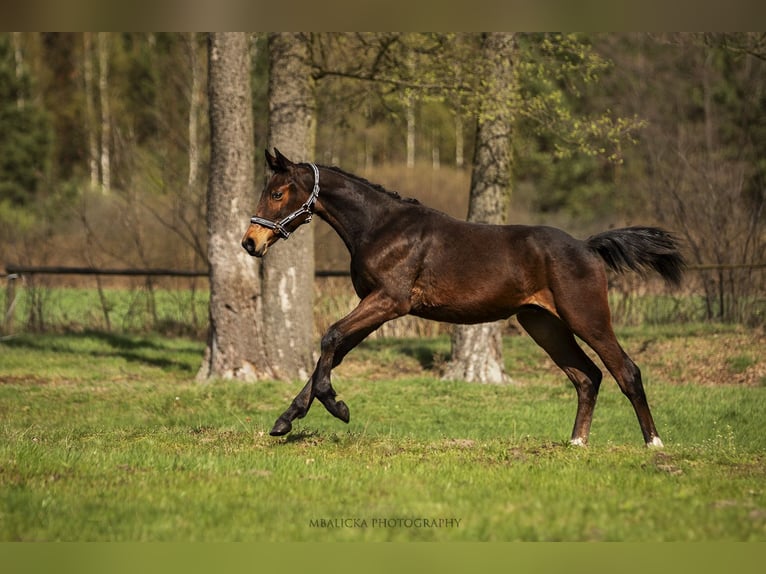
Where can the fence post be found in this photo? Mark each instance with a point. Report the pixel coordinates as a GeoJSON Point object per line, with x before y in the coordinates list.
{"type": "Point", "coordinates": [10, 303]}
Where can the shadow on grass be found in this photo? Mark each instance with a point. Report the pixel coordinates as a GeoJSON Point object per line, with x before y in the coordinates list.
{"type": "Point", "coordinates": [429, 353]}
{"type": "Point", "coordinates": [307, 436]}
{"type": "Point", "coordinates": [99, 344]}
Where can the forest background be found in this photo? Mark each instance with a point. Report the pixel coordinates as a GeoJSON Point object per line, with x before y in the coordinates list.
{"type": "Point", "coordinates": [104, 146]}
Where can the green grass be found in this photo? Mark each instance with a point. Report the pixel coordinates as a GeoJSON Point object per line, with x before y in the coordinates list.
{"type": "Point", "coordinates": [108, 438]}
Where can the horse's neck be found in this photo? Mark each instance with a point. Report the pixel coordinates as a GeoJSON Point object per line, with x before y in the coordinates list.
{"type": "Point", "coordinates": [351, 209]}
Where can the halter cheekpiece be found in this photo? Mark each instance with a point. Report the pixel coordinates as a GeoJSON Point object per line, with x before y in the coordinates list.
{"type": "Point", "coordinates": [305, 209]}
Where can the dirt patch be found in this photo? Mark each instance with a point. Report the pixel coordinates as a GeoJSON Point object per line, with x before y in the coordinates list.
{"type": "Point", "coordinates": [732, 357]}
{"type": "Point", "coordinates": [459, 443]}
{"type": "Point", "coordinates": [29, 380]}
{"type": "Point", "coordinates": [714, 359]}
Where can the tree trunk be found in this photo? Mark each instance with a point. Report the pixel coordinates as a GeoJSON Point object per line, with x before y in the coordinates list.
{"type": "Point", "coordinates": [195, 103]}
{"type": "Point", "coordinates": [409, 103]}
{"type": "Point", "coordinates": [288, 271]}
{"type": "Point", "coordinates": [106, 119]}
{"type": "Point", "coordinates": [90, 108]}
{"type": "Point", "coordinates": [18, 57]}
{"type": "Point", "coordinates": [235, 341]}
{"type": "Point", "coordinates": [477, 354]}
{"type": "Point", "coordinates": [459, 140]}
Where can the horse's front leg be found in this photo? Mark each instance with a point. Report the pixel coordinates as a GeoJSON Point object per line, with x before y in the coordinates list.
{"type": "Point", "coordinates": [340, 338]}
{"type": "Point", "coordinates": [297, 410]}
{"type": "Point", "coordinates": [301, 404]}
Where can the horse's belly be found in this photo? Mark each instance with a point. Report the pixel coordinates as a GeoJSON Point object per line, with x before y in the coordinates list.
{"type": "Point", "coordinates": [451, 315]}
{"type": "Point", "coordinates": [467, 307]}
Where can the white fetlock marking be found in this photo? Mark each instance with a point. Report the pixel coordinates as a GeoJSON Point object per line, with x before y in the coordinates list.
{"type": "Point", "coordinates": [655, 443]}
{"type": "Point", "coordinates": [578, 442]}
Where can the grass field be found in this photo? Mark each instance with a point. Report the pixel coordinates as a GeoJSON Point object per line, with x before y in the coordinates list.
{"type": "Point", "coordinates": [109, 438]}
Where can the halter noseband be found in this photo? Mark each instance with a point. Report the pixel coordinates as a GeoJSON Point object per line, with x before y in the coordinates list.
{"type": "Point", "coordinates": [306, 208]}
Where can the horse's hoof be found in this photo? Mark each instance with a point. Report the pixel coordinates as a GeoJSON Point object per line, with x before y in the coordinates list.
{"type": "Point", "coordinates": [342, 411]}
{"type": "Point", "coordinates": [656, 442]}
{"type": "Point", "coordinates": [281, 427]}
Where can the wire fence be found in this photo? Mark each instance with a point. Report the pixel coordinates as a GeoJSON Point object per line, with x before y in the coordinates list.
{"type": "Point", "coordinates": [175, 301]}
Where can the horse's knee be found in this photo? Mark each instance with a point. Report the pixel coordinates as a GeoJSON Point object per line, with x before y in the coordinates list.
{"type": "Point", "coordinates": [330, 340]}
{"type": "Point", "coordinates": [586, 383]}
{"type": "Point", "coordinates": [631, 385]}
{"type": "Point", "coordinates": [592, 377]}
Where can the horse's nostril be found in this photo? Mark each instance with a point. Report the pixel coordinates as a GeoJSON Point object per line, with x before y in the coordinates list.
{"type": "Point", "coordinates": [249, 245]}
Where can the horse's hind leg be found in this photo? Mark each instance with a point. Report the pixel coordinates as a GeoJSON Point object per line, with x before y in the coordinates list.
{"type": "Point", "coordinates": [593, 325]}
{"type": "Point", "coordinates": [628, 377]}
{"type": "Point", "coordinates": [555, 337]}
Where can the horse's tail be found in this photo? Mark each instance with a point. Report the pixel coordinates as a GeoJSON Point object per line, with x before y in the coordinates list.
{"type": "Point", "coordinates": [640, 249]}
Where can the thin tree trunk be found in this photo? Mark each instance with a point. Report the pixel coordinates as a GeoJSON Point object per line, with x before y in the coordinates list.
{"type": "Point", "coordinates": [459, 142]}
{"type": "Point", "coordinates": [106, 127]}
{"type": "Point", "coordinates": [195, 102]}
{"type": "Point", "coordinates": [288, 270]}
{"type": "Point", "coordinates": [18, 56]}
{"type": "Point", "coordinates": [90, 108]}
{"type": "Point", "coordinates": [236, 339]}
{"type": "Point", "coordinates": [410, 108]}
{"type": "Point", "coordinates": [477, 353]}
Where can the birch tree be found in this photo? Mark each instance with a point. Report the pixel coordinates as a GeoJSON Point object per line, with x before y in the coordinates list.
{"type": "Point", "coordinates": [90, 108]}
{"type": "Point", "coordinates": [106, 119]}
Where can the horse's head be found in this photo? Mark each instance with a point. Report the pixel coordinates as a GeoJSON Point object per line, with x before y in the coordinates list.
{"type": "Point", "coordinates": [286, 203]}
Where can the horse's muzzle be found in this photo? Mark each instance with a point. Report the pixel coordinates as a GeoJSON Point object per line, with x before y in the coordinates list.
{"type": "Point", "coordinates": [256, 241]}
{"type": "Point", "coordinates": [249, 245]}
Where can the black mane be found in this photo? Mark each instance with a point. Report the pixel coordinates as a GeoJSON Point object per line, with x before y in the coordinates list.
{"type": "Point", "coordinates": [375, 186]}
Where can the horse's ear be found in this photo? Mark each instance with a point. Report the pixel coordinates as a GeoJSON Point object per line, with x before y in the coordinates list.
{"type": "Point", "coordinates": [278, 163]}
{"type": "Point", "coordinates": [272, 161]}
{"type": "Point", "coordinates": [283, 164]}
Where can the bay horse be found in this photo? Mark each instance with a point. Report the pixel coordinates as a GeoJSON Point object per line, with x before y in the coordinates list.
{"type": "Point", "coordinates": [407, 258]}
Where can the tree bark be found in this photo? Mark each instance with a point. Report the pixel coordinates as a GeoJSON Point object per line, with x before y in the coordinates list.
{"type": "Point", "coordinates": [106, 116]}
{"type": "Point", "coordinates": [477, 352]}
{"type": "Point", "coordinates": [235, 342]}
{"type": "Point", "coordinates": [195, 103]}
{"type": "Point", "coordinates": [18, 57]}
{"type": "Point", "coordinates": [409, 103]}
{"type": "Point", "coordinates": [90, 109]}
{"type": "Point", "coordinates": [459, 140]}
{"type": "Point", "coordinates": [288, 270]}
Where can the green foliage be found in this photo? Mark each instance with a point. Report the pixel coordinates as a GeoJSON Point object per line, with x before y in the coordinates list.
{"type": "Point", "coordinates": [25, 133]}
{"type": "Point", "coordinates": [566, 141]}
{"type": "Point", "coordinates": [558, 74]}
{"type": "Point", "coordinates": [568, 148]}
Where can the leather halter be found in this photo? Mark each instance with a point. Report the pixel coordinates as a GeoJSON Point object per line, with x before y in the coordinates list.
{"type": "Point", "coordinates": [305, 209]}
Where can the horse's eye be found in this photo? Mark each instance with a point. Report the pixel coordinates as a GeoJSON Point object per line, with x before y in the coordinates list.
{"type": "Point", "coordinates": [276, 195]}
